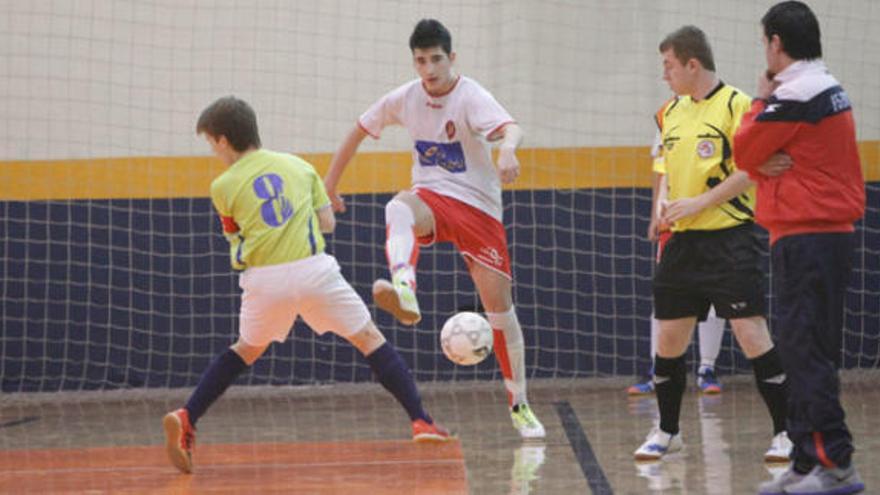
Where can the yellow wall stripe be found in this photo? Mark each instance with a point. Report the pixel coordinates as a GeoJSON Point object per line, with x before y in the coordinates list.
{"type": "Point", "coordinates": [378, 172]}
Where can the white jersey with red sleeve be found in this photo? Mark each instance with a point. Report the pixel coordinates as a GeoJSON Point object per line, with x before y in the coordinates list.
{"type": "Point", "coordinates": [451, 152]}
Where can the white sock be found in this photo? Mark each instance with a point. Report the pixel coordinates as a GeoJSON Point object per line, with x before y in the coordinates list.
{"type": "Point", "coordinates": [655, 335]}
{"type": "Point", "coordinates": [711, 332]}
{"type": "Point", "coordinates": [508, 325]}
{"type": "Point", "coordinates": [400, 247]}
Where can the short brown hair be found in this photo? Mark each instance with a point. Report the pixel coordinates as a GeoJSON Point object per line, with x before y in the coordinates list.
{"type": "Point", "coordinates": [233, 118]}
{"type": "Point", "coordinates": [689, 42]}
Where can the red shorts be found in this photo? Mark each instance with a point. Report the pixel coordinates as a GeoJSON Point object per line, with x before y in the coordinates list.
{"type": "Point", "coordinates": [477, 235]}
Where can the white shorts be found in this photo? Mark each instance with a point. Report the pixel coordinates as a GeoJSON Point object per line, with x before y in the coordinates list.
{"type": "Point", "coordinates": [312, 287]}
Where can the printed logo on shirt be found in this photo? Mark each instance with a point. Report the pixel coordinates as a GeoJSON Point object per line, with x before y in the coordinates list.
{"type": "Point", "coordinates": [450, 129]}
{"type": "Point", "coordinates": [705, 148]}
{"type": "Point", "coordinates": [448, 156]}
{"type": "Point", "coordinates": [840, 102]}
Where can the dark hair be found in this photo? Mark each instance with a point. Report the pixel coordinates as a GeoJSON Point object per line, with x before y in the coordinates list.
{"type": "Point", "coordinates": [689, 42]}
{"type": "Point", "coordinates": [797, 28]}
{"type": "Point", "coordinates": [233, 118]}
{"type": "Point", "coordinates": [429, 33]}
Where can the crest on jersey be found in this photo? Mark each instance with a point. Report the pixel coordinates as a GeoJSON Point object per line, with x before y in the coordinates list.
{"type": "Point", "coordinates": [705, 148]}
{"type": "Point", "coordinates": [450, 129]}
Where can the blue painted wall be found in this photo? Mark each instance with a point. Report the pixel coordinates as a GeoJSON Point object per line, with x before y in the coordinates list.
{"type": "Point", "coordinates": [138, 293]}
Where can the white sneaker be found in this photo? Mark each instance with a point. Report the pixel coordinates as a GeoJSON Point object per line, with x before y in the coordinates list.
{"type": "Point", "coordinates": [827, 481]}
{"type": "Point", "coordinates": [658, 444]}
{"type": "Point", "coordinates": [399, 299]}
{"type": "Point", "coordinates": [780, 449]}
{"type": "Point", "coordinates": [780, 481]}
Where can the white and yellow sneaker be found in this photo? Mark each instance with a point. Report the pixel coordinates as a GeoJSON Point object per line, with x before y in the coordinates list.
{"type": "Point", "coordinates": [525, 422]}
{"type": "Point", "coordinates": [399, 299]}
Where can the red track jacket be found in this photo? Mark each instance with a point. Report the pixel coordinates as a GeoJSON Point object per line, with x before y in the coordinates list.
{"type": "Point", "coordinates": [808, 117]}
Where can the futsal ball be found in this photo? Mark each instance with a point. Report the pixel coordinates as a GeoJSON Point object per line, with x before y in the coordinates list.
{"type": "Point", "coordinates": [466, 338]}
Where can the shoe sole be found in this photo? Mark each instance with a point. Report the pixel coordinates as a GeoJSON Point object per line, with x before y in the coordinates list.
{"type": "Point", "coordinates": [844, 490]}
{"type": "Point", "coordinates": [656, 457]}
{"type": "Point", "coordinates": [173, 430]}
{"type": "Point", "coordinates": [711, 390]}
{"type": "Point", "coordinates": [386, 298]}
{"type": "Point", "coordinates": [638, 393]}
{"type": "Point", "coordinates": [647, 457]}
{"type": "Point", "coordinates": [430, 438]}
{"type": "Point", "coordinates": [527, 435]}
{"type": "Point", "coordinates": [776, 459]}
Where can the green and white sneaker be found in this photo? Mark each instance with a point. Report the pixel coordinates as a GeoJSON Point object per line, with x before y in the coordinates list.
{"type": "Point", "coordinates": [397, 298]}
{"type": "Point", "coordinates": [525, 422]}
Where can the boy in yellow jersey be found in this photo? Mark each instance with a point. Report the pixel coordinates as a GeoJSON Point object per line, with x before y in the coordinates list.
{"type": "Point", "coordinates": [274, 208]}
{"type": "Point", "coordinates": [713, 256]}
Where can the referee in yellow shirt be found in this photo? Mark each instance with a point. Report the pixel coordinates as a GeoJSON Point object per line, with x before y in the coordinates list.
{"type": "Point", "coordinates": [713, 257]}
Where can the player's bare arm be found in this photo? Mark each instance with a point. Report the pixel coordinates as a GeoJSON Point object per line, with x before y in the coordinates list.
{"type": "Point", "coordinates": [338, 163]}
{"type": "Point", "coordinates": [326, 220]}
{"type": "Point", "coordinates": [658, 195]}
{"type": "Point", "coordinates": [731, 187]}
{"type": "Point", "coordinates": [508, 165]}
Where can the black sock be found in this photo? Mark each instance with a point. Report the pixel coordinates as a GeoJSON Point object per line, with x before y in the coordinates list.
{"type": "Point", "coordinates": [670, 377]}
{"type": "Point", "coordinates": [393, 373]}
{"type": "Point", "coordinates": [215, 380]}
{"type": "Point", "coordinates": [773, 386]}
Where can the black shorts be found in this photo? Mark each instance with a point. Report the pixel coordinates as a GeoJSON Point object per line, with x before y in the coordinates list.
{"type": "Point", "coordinates": [721, 268]}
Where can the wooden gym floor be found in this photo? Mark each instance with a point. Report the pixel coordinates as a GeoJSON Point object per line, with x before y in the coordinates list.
{"type": "Point", "coordinates": [354, 439]}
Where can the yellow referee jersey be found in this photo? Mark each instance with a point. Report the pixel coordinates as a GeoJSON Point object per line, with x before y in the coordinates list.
{"type": "Point", "coordinates": [267, 203]}
{"type": "Point", "coordinates": [697, 140]}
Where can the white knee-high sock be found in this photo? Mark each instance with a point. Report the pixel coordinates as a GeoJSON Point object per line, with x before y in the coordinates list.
{"type": "Point", "coordinates": [400, 246]}
{"type": "Point", "coordinates": [510, 353]}
{"type": "Point", "coordinates": [711, 332]}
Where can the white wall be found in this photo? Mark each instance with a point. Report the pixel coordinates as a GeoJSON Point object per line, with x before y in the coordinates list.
{"type": "Point", "coordinates": [91, 78]}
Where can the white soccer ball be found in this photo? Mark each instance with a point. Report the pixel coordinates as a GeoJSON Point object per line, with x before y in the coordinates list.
{"type": "Point", "coordinates": [466, 338]}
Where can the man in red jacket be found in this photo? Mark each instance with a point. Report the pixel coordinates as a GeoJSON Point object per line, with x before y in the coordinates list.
{"type": "Point", "coordinates": [809, 206]}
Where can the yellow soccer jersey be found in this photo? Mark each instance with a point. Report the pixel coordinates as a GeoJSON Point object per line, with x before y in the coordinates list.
{"type": "Point", "coordinates": [267, 203]}
{"type": "Point", "coordinates": [697, 155]}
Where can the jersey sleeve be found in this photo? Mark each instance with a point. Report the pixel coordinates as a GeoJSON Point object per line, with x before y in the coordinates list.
{"type": "Point", "coordinates": [758, 138]}
{"type": "Point", "coordinates": [659, 163]}
{"type": "Point", "coordinates": [386, 111]}
{"type": "Point", "coordinates": [740, 105]}
{"type": "Point", "coordinates": [219, 197]}
{"type": "Point", "coordinates": [484, 114]}
{"type": "Point", "coordinates": [320, 199]}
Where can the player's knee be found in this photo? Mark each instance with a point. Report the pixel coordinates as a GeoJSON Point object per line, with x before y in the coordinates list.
{"type": "Point", "coordinates": [752, 335]}
{"type": "Point", "coordinates": [397, 209]}
{"type": "Point", "coordinates": [507, 322]}
{"type": "Point", "coordinates": [249, 353]}
{"type": "Point", "coordinates": [367, 339]}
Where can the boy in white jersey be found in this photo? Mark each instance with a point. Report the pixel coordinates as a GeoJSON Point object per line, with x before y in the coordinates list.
{"type": "Point", "coordinates": [274, 207]}
{"type": "Point", "coordinates": [455, 195]}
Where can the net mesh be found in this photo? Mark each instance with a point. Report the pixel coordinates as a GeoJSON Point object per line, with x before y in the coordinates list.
{"type": "Point", "coordinates": [113, 272]}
